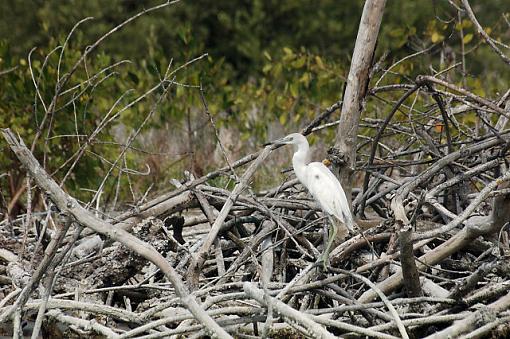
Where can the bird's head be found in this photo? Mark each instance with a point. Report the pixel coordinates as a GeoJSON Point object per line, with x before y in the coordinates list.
{"type": "Point", "coordinates": [291, 139]}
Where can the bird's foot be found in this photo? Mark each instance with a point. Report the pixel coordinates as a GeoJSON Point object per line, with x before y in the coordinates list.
{"type": "Point", "coordinates": [323, 263]}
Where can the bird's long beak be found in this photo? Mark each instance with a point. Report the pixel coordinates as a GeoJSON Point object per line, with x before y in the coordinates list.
{"type": "Point", "coordinates": [280, 141]}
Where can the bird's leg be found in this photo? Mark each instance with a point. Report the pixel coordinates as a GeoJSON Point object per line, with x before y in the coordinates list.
{"type": "Point", "coordinates": [332, 232]}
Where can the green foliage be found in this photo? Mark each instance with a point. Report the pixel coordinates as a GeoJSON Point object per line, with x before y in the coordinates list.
{"type": "Point", "coordinates": [295, 85]}
{"type": "Point", "coordinates": [268, 63]}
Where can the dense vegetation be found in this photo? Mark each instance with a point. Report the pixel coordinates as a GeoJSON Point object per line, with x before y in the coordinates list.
{"type": "Point", "coordinates": [270, 67]}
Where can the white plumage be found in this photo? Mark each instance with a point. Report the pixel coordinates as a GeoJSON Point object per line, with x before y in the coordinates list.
{"type": "Point", "coordinates": [322, 185]}
{"type": "Point", "coordinates": [325, 188]}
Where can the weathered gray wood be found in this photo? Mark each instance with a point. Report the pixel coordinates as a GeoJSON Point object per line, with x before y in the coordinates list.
{"type": "Point", "coordinates": [344, 152]}
{"type": "Point", "coordinates": [199, 258]}
{"type": "Point", "coordinates": [70, 206]}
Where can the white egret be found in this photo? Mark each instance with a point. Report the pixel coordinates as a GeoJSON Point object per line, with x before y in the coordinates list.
{"type": "Point", "coordinates": [323, 186]}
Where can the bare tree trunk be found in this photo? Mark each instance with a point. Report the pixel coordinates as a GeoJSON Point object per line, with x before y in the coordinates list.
{"type": "Point", "coordinates": [344, 152]}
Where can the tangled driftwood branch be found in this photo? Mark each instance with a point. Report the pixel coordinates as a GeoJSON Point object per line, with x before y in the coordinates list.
{"type": "Point", "coordinates": [69, 206]}
{"type": "Point", "coordinates": [273, 241]}
{"type": "Point", "coordinates": [203, 260]}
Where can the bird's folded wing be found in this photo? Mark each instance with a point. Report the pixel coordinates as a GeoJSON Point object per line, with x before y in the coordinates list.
{"type": "Point", "coordinates": [326, 189]}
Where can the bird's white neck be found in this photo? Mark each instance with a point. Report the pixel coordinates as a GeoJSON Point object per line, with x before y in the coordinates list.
{"type": "Point", "coordinates": [300, 159]}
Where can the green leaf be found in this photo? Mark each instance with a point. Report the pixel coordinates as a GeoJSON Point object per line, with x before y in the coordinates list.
{"type": "Point", "coordinates": [436, 37]}
{"type": "Point", "coordinates": [277, 70]}
{"type": "Point", "coordinates": [397, 32]}
{"type": "Point", "coordinates": [305, 79]}
{"type": "Point", "coordinates": [283, 119]}
{"type": "Point", "coordinates": [179, 92]}
{"type": "Point", "coordinates": [467, 38]}
{"type": "Point", "coordinates": [466, 23]}
{"type": "Point", "coordinates": [299, 62]}
{"type": "Point", "coordinates": [319, 62]}
{"type": "Point", "coordinates": [294, 89]}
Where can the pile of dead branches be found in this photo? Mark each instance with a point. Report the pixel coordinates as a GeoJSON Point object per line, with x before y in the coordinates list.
{"type": "Point", "coordinates": [202, 260]}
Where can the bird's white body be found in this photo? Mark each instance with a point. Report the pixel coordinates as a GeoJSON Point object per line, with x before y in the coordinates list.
{"type": "Point", "coordinates": [323, 185]}
{"type": "Point", "coordinates": [320, 181]}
